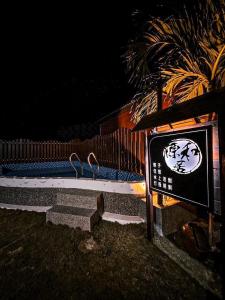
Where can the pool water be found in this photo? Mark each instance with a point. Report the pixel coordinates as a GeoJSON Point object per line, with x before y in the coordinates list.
{"type": "Point", "coordinates": [64, 169]}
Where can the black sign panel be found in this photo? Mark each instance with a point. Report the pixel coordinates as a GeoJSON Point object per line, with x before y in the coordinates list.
{"type": "Point", "coordinates": [181, 165]}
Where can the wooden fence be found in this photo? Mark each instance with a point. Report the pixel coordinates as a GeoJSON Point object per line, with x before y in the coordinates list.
{"type": "Point", "coordinates": [121, 149]}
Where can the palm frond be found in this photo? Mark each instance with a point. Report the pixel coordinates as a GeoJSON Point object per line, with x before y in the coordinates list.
{"type": "Point", "coordinates": [143, 105]}
{"type": "Point", "coordinates": [186, 54]}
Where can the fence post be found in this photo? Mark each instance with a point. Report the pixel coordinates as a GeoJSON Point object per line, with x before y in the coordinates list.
{"type": "Point", "coordinates": [1, 156]}
{"type": "Point", "coordinates": [119, 150]}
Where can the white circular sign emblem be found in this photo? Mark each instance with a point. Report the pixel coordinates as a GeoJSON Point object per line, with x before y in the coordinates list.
{"type": "Point", "coordinates": [182, 156]}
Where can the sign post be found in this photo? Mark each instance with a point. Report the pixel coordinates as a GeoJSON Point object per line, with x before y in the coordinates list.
{"type": "Point", "coordinates": [221, 129]}
{"type": "Point", "coordinates": [149, 199]}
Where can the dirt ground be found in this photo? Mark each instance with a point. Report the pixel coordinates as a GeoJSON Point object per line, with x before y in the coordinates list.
{"type": "Point", "coordinates": [45, 261]}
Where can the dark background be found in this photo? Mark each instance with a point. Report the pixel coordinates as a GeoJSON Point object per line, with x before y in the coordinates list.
{"type": "Point", "coordinates": [62, 66]}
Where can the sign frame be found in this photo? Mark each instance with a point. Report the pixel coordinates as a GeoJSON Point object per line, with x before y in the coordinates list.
{"type": "Point", "coordinates": [209, 163]}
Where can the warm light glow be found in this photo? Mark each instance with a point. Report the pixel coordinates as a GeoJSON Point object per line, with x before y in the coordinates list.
{"type": "Point", "coordinates": [139, 188]}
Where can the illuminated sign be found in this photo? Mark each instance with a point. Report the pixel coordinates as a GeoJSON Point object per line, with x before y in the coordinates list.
{"type": "Point", "coordinates": [182, 156]}
{"type": "Point", "coordinates": [181, 165]}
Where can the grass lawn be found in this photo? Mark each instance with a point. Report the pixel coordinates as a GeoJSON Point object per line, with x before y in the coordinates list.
{"type": "Point", "coordinates": [45, 261]}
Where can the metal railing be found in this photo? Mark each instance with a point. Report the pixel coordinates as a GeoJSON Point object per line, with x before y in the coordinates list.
{"type": "Point", "coordinates": [89, 162]}
{"type": "Point", "coordinates": [81, 165]}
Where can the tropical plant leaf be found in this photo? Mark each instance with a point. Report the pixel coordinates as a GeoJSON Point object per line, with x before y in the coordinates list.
{"type": "Point", "coordinates": [184, 54]}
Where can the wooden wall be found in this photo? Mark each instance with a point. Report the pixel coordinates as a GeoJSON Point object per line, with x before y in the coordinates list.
{"type": "Point", "coordinates": [121, 119]}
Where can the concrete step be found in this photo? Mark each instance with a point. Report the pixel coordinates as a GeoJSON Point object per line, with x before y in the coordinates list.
{"type": "Point", "coordinates": [74, 217]}
{"type": "Point", "coordinates": [82, 199]}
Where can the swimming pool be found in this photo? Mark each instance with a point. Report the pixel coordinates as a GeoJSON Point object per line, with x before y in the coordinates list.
{"type": "Point", "coordinates": [64, 169]}
{"type": "Point", "coordinates": [61, 175]}
{"type": "Point", "coordinates": [38, 184]}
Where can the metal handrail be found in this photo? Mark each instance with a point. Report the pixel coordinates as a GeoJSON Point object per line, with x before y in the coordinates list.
{"type": "Point", "coordinates": [81, 165]}
{"type": "Point", "coordinates": [88, 159]}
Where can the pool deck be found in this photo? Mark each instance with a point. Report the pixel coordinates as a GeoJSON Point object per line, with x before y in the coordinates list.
{"type": "Point", "coordinates": [114, 186]}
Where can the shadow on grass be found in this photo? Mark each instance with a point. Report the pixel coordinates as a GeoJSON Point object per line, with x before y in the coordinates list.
{"type": "Point", "coordinates": [44, 261]}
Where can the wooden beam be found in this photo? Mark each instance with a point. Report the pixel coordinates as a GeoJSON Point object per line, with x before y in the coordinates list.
{"type": "Point", "coordinates": [197, 120]}
{"type": "Point", "coordinates": [210, 102]}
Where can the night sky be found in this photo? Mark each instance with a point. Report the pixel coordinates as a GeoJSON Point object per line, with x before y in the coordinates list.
{"type": "Point", "coordinates": [63, 66]}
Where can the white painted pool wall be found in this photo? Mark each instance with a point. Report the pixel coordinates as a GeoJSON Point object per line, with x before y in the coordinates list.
{"type": "Point", "coordinates": [120, 187]}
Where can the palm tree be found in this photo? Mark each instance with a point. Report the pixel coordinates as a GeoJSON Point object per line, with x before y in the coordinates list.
{"type": "Point", "coordinates": [187, 53]}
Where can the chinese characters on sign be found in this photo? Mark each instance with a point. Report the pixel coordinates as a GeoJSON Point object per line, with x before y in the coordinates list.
{"type": "Point", "coordinates": [182, 156]}
{"type": "Point", "coordinates": [159, 180]}
{"type": "Point", "coordinates": [180, 165]}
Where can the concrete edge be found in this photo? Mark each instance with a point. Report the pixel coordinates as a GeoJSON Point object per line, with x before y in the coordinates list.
{"type": "Point", "coordinates": [122, 219]}
{"type": "Point", "coordinates": [25, 207]}
{"type": "Point", "coordinates": [205, 277]}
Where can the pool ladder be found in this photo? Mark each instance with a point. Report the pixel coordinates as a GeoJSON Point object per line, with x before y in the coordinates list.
{"type": "Point", "coordinates": [73, 166]}
{"type": "Point", "coordinates": [89, 162]}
